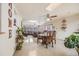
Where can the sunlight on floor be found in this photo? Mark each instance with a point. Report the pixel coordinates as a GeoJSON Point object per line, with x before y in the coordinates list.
{"type": "Point", "coordinates": [29, 39]}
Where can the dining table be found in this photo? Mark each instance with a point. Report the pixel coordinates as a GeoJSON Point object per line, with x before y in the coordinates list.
{"type": "Point", "coordinates": [46, 39]}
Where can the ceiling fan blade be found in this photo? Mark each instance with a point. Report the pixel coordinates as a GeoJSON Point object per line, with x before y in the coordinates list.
{"type": "Point", "coordinates": [50, 17]}
{"type": "Point", "coordinates": [53, 16]}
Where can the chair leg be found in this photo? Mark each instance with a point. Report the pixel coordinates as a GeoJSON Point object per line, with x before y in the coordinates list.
{"type": "Point", "coordinates": [46, 45]}
{"type": "Point", "coordinates": [52, 43]}
{"type": "Point", "coordinates": [55, 41]}
{"type": "Point", "coordinates": [37, 41]}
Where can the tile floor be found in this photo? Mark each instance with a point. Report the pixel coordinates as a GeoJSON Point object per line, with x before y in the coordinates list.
{"type": "Point", "coordinates": [31, 48]}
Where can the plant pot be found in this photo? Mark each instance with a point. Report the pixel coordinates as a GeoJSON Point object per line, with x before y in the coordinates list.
{"type": "Point", "coordinates": [19, 46]}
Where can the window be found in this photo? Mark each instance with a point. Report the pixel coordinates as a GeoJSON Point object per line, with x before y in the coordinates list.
{"type": "Point", "coordinates": [0, 21]}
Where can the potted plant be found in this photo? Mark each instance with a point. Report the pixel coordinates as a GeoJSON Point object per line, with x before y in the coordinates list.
{"type": "Point", "coordinates": [19, 37]}
{"type": "Point", "coordinates": [72, 42]}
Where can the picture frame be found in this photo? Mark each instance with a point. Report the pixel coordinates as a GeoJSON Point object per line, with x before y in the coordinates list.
{"type": "Point", "coordinates": [9, 12]}
{"type": "Point", "coordinates": [9, 22]}
{"type": "Point", "coordinates": [10, 5]}
{"type": "Point", "coordinates": [10, 33]}
{"type": "Point", "coordinates": [64, 24]}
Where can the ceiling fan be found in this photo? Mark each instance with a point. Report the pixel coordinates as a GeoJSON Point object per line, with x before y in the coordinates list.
{"type": "Point", "coordinates": [50, 17]}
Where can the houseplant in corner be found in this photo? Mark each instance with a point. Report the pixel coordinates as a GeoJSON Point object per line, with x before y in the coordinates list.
{"type": "Point", "coordinates": [72, 41]}
{"type": "Point", "coordinates": [19, 38]}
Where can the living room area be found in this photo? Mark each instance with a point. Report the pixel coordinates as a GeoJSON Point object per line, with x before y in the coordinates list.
{"type": "Point", "coordinates": [39, 29]}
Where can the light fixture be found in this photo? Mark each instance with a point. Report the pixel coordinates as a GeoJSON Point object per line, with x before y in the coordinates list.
{"type": "Point", "coordinates": [52, 6]}
{"type": "Point", "coordinates": [48, 19]}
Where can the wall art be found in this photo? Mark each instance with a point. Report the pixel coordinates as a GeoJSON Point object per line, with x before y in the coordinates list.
{"type": "Point", "coordinates": [10, 33]}
{"type": "Point", "coordinates": [9, 22]}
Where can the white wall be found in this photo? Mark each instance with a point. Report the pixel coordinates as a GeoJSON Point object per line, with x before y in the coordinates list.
{"type": "Point", "coordinates": [0, 17]}
{"type": "Point", "coordinates": [7, 46]}
{"type": "Point", "coordinates": [72, 26]}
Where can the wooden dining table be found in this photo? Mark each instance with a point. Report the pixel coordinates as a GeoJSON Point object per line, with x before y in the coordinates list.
{"type": "Point", "coordinates": [46, 39]}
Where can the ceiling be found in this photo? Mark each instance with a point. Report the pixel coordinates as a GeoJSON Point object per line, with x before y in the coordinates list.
{"type": "Point", "coordinates": [31, 10]}
{"type": "Point", "coordinates": [37, 11]}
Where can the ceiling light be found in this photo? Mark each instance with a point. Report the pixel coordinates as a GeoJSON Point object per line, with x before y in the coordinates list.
{"type": "Point", "coordinates": [52, 6]}
{"type": "Point", "coordinates": [48, 19]}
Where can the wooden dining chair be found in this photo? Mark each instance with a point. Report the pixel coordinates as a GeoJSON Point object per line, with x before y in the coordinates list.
{"type": "Point", "coordinates": [50, 38]}
{"type": "Point", "coordinates": [39, 37]}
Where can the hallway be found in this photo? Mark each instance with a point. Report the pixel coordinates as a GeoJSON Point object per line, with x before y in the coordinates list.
{"type": "Point", "coordinates": [41, 20]}
{"type": "Point", "coordinates": [31, 48]}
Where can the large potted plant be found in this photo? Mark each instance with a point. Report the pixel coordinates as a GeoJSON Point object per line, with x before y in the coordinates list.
{"type": "Point", "coordinates": [19, 38]}
{"type": "Point", "coordinates": [72, 42]}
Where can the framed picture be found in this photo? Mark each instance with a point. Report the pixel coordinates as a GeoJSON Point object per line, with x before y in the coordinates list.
{"type": "Point", "coordinates": [9, 12]}
{"type": "Point", "coordinates": [10, 33]}
{"type": "Point", "coordinates": [14, 22]}
{"type": "Point", "coordinates": [10, 5]}
{"type": "Point", "coordinates": [9, 22]}
{"type": "Point", "coordinates": [64, 24]}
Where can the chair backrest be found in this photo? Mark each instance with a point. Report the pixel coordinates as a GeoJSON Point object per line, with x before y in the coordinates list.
{"type": "Point", "coordinates": [49, 33]}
